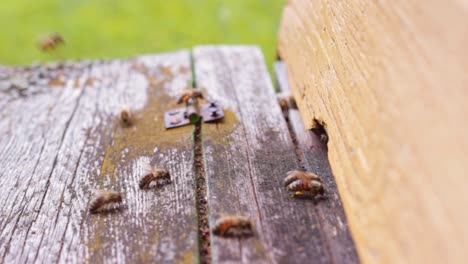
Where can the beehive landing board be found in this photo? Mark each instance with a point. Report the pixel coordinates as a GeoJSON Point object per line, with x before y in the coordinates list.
{"type": "Point", "coordinates": [60, 139]}
{"type": "Point", "coordinates": [246, 159]}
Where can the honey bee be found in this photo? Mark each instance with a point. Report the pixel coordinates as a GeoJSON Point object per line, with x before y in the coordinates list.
{"type": "Point", "coordinates": [104, 198]}
{"type": "Point", "coordinates": [320, 131]}
{"type": "Point", "coordinates": [233, 226]}
{"type": "Point", "coordinates": [304, 183]}
{"type": "Point", "coordinates": [153, 174]}
{"type": "Point", "coordinates": [324, 138]}
{"type": "Point", "coordinates": [50, 42]}
{"type": "Point", "coordinates": [126, 117]}
{"type": "Point", "coordinates": [286, 101]}
{"type": "Point", "coordinates": [189, 95]}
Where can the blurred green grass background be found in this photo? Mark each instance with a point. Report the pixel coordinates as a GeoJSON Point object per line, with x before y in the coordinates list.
{"type": "Point", "coordinates": [124, 28]}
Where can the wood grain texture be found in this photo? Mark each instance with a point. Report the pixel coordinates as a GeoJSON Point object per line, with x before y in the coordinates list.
{"type": "Point", "coordinates": [246, 159]}
{"type": "Point", "coordinates": [313, 155]}
{"type": "Point", "coordinates": [388, 80]}
{"type": "Point", "coordinates": [62, 143]}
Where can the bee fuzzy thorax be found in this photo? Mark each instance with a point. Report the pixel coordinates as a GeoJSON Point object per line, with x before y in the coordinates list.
{"type": "Point", "coordinates": [126, 117]}
{"type": "Point", "coordinates": [233, 226]}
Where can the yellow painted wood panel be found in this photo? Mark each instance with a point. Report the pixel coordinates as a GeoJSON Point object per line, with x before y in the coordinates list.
{"type": "Point", "coordinates": [389, 81]}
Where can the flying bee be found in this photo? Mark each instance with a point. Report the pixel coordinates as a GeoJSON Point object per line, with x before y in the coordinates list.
{"type": "Point", "coordinates": [233, 226]}
{"type": "Point", "coordinates": [126, 117]}
{"type": "Point", "coordinates": [304, 183]}
{"type": "Point", "coordinates": [50, 42]}
{"type": "Point", "coordinates": [286, 101]}
{"type": "Point", "coordinates": [104, 198]}
{"type": "Point", "coordinates": [189, 95]}
{"type": "Point", "coordinates": [153, 174]}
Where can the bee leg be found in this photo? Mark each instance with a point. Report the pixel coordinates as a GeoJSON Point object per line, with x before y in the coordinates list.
{"type": "Point", "coordinates": [234, 232]}
{"type": "Point", "coordinates": [299, 194]}
{"type": "Point", "coordinates": [222, 232]}
{"type": "Point", "coordinates": [247, 232]}
{"type": "Point", "coordinates": [148, 184]}
{"type": "Point", "coordinates": [304, 194]}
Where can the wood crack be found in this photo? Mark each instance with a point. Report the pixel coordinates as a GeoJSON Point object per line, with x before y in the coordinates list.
{"type": "Point", "coordinates": [200, 197]}
{"type": "Point", "coordinates": [236, 98]}
{"type": "Point", "coordinates": [67, 125]}
{"type": "Point", "coordinates": [200, 188]}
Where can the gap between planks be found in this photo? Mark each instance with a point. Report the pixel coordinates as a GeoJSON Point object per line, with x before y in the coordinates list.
{"type": "Point", "coordinates": [313, 156]}
{"type": "Point", "coordinates": [247, 157]}
{"type": "Point", "coordinates": [200, 187]}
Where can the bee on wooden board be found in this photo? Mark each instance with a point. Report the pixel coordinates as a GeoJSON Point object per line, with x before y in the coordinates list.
{"type": "Point", "coordinates": [153, 174]}
{"type": "Point", "coordinates": [233, 226]}
{"type": "Point", "coordinates": [189, 95]}
{"type": "Point", "coordinates": [126, 117]}
{"type": "Point", "coordinates": [320, 131]}
{"type": "Point", "coordinates": [304, 184]}
{"type": "Point", "coordinates": [286, 101]}
{"type": "Point", "coordinates": [50, 42]}
{"type": "Point", "coordinates": [103, 199]}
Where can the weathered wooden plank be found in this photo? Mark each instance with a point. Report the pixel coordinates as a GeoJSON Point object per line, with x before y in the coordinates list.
{"type": "Point", "coordinates": [246, 158]}
{"type": "Point", "coordinates": [95, 152]}
{"type": "Point", "coordinates": [313, 155]}
{"type": "Point", "coordinates": [388, 79]}
{"type": "Point", "coordinates": [30, 138]}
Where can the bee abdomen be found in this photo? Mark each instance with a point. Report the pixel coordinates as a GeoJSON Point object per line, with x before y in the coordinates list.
{"type": "Point", "coordinates": [146, 180]}
{"type": "Point", "coordinates": [97, 204]}
{"type": "Point", "coordinates": [183, 99]}
{"type": "Point", "coordinates": [290, 178]}
{"type": "Point", "coordinates": [220, 228]}
{"type": "Point", "coordinates": [233, 226]}
{"type": "Point", "coordinates": [299, 185]}
{"type": "Point", "coordinates": [104, 198]}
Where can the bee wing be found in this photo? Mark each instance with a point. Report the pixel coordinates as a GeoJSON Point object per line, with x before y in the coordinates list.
{"type": "Point", "coordinates": [297, 185]}
{"type": "Point", "coordinates": [293, 172]}
{"type": "Point", "coordinates": [312, 176]}
{"type": "Point", "coordinates": [290, 178]}
{"type": "Point", "coordinates": [97, 192]}
{"type": "Point", "coordinates": [147, 168]}
{"type": "Point", "coordinates": [316, 184]}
